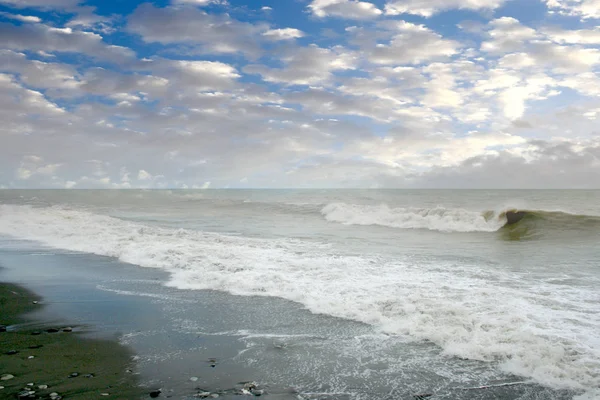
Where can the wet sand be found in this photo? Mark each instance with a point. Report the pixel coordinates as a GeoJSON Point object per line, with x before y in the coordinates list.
{"type": "Point", "coordinates": [62, 362]}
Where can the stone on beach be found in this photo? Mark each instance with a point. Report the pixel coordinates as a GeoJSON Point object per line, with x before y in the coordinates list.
{"type": "Point", "coordinates": [6, 377]}
{"type": "Point", "coordinates": [12, 352]}
{"type": "Point", "coordinates": [26, 394]}
{"type": "Point", "coordinates": [67, 329]}
{"type": "Point", "coordinates": [155, 393]}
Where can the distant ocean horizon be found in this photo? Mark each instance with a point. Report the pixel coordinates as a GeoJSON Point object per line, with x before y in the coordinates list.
{"type": "Point", "coordinates": [437, 266]}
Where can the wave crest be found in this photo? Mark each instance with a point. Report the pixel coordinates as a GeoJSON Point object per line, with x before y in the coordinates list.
{"type": "Point", "coordinates": [436, 219]}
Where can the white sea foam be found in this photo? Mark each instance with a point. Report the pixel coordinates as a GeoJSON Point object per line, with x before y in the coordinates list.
{"type": "Point", "coordinates": [437, 219]}
{"type": "Point", "coordinates": [545, 331]}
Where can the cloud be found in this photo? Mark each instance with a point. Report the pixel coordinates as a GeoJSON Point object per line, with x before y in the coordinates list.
{"type": "Point", "coordinates": [529, 47]}
{"type": "Point", "coordinates": [427, 8]}
{"type": "Point", "coordinates": [33, 165]}
{"type": "Point", "coordinates": [44, 4]}
{"type": "Point", "coordinates": [40, 37]}
{"type": "Point", "coordinates": [198, 75]}
{"type": "Point", "coordinates": [586, 9]}
{"type": "Point", "coordinates": [15, 98]}
{"type": "Point", "coordinates": [371, 101]}
{"type": "Point", "coordinates": [306, 66]}
{"type": "Point", "coordinates": [348, 9]}
{"type": "Point", "coordinates": [283, 34]}
{"type": "Point", "coordinates": [196, 2]}
{"type": "Point", "coordinates": [205, 33]}
{"type": "Point", "coordinates": [539, 164]}
{"type": "Point", "coordinates": [576, 36]}
{"type": "Point", "coordinates": [143, 175]}
{"type": "Point", "coordinates": [22, 18]}
{"type": "Point", "coordinates": [412, 44]}
{"type": "Point", "coordinates": [506, 35]}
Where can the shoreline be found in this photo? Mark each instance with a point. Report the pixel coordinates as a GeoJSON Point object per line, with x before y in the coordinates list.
{"type": "Point", "coordinates": [40, 358]}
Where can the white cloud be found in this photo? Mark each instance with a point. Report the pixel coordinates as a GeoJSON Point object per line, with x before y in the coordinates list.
{"type": "Point", "coordinates": [582, 8]}
{"type": "Point", "coordinates": [144, 175]}
{"type": "Point", "coordinates": [349, 9]}
{"type": "Point", "coordinates": [412, 44]}
{"type": "Point", "coordinates": [506, 35]}
{"type": "Point", "coordinates": [283, 34]}
{"type": "Point", "coordinates": [40, 37]}
{"type": "Point", "coordinates": [22, 18]}
{"type": "Point", "coordinates": [427, 8]}
{"type": "Point", "coordinates": [15, 97]}
{"type": "Point", "coordinates": [33, 165]}
{"type": "Point", "coordinates": [206, 33]}
{"type": "Point", "coordinates": [41, 3]}
{"type": "Point", "coordinates": [576, 36]}
{"type": "Point", "coordinates": [196, 2]}
{"type": "Point", "coordinates": [306, 66]}
{"type": "Point", "coordinates": [384, 103]}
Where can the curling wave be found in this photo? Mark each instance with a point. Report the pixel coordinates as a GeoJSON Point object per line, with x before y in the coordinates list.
{"type": "Point", "coordinates": [456, 219]}
{"type": "Point", "coordinates": [436, 219]}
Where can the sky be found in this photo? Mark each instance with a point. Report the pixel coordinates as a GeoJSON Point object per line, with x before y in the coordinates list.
{"type": "Point", "coordinates": [300, 94]}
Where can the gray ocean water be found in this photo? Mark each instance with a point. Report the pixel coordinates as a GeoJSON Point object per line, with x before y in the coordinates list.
{"type": "Point", "coordinates": [336, 294]}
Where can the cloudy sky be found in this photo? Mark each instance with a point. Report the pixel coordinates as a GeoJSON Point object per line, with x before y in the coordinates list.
{"type": "Point", "coordinates": [299, 93]}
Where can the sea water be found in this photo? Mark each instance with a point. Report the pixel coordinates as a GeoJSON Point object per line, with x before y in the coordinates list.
{"type": "Point", "coordinates": [349, 294]}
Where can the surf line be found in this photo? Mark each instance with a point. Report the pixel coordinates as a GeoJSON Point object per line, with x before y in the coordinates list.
{"type": "Point", "coordinates": [423, 396]}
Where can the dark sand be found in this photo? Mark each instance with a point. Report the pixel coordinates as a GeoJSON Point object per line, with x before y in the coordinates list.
{"type": "Point", "coordinates": [60, 355]}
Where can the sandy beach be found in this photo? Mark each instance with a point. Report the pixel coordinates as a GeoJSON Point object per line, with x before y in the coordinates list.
{"type": "Point", "coordinates": [40, 359]}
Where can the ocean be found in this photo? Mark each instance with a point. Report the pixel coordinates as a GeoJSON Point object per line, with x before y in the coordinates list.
{"type": "Point", "coordinates": [329, 294]}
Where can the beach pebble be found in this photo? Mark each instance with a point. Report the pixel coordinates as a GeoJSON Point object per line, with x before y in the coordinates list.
{"type": "Point", "coordinates": [258, 392]}
{"type": "Point", "coordinates": [30, 384]}
{"type": "Point", "coordinates": [26, 394]}
{"type": "Point", "coordinates": [67, 329]}
{"type": "Point", "coordinates": [30, 357]}
{"type": "Point", "coordinates": [89, 375]}
{"type": "Point", "coordinates": [35, 302]}
{"type": "Point", "coordinates": [11, 352]}
{"type": "Point", "coordinates": [202, 395]}
{"type": "Point", "coordinates": [155, 393]}
{"type": "Point", "coordinates": [35, 333]}
{"type": "Point", "coordinates": [6, 377]}
{"type": "Point", "coordinates": [74, 375]}
{"type": "Point", "coordinates": [194, 378]}
{"type": "Point", "coordinates": [1, 387]}
{"type": "Point", "coordinates": [104, 394]}
{"type": "Point", "coordinates": [36, 346]}
{"type": "Point", "coordinates": [246, 392]}
{"type": "Point", "coordinates": [52, 330]}
{"type": "Point", "coordinates": [53, 394]}
{"type": "Point", "coordinates": [42, 387]}
{"type": "Point", "coordinates": [214, 395]}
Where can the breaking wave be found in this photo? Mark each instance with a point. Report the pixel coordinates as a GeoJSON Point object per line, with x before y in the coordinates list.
{"type": "Point", "coordinates": [444, 219]}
